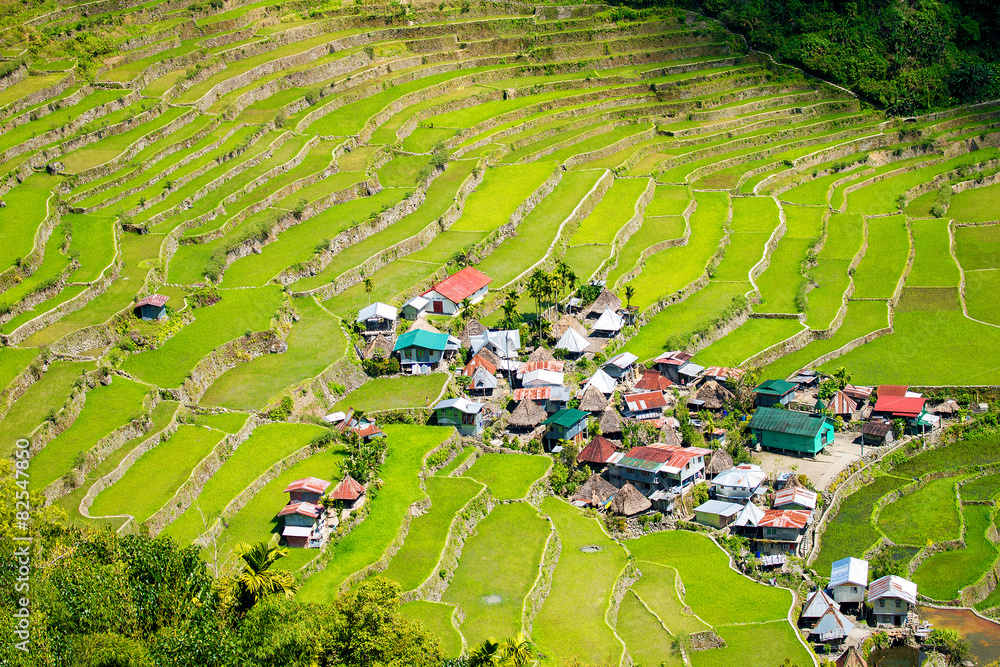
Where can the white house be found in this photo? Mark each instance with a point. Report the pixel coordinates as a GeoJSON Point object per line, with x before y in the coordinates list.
{"type": "Point", "coordinates": [602, 381]}
{"type": "Point", "coordinates": [848, 580]}
{"type": "Point", "coordinates": [415, 306]}
{"type": "Point", "coordinates": [377, 318]}
{"type": "Point", "coordinates": [608, 324]}
{"type": "Point", "coordinates": [505, 344]}
{"type": "Point", "coordinates": [891, 598]}
{"type": "Point", "coordinates": [621, 366]}
{"type": "Point", "coordinates": [542, 378]}
{"type": "Point", "coordinates": [446, 297]}
{"type": "Point", "coordinates": [739, 484]}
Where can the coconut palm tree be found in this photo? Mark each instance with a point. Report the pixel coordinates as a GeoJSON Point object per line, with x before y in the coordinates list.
{"type": "Point", "coordinates": [254, 579]}
{"type": "Point", "coordinates": [629, 293]}
{"type": "Point", "coordinates": [514, 651]}
{"type": "Point", "coordinates": [537, 289]}
{"type": "Point", "coordinates": [369, 285]}
{"type": "Point", "coordinates": [510, 314]}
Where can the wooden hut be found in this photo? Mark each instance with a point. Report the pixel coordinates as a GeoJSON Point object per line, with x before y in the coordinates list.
{"type": "Point", "coordinates": [711, 396]}
{"type": "Point", "coordinates": [152, 307]}
{"type": "Point", "coordinates": [593, 401]}
{"type": "Point", "coordinates": [606, 300]}
{"type": "Point", "coordinates": [349, 492]}
{"type": "Point", "coordinates": [380, 347]}
{"type": "Point", "coordinates": [629, 502]}
{"type": "Point", "coordinates": [526, 416]}
{"type": "Point", "coordinates": [596, 491]}
{"type": "Point", "coordinates": [720, 462]}
{"type": "Point", "coordinates": [611, 423]}
{"type": "Point", "coordinates": [947, 409]}
{"type": "Point", "coordinates": [541, 354]}
{"type": "Point", "coordinates": [597, 453]}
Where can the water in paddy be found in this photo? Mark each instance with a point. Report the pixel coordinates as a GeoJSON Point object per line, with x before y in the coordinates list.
{"type": "Point", "coordinates": [983, 635]}
{"type": "Point", "coordinates": [898, 656]}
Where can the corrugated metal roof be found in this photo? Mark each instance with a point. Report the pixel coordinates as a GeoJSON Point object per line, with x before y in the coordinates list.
{"type": "Point", "coordinates": [622, 360]}
{"type": "Point", "coordinates": [900, 406]}
{"type": "Point", "coordinates": [852, 571]}
{"type": "Point", "coordinates": [653, 381]}
{"type": "Point", "coordinates": [787, 421]}
{"type": "Point", "coordinates": [533, 393]}
{"type": "Point", "coordinates": [650, 400]}
{"type": "Point", "coordinates": [599, 450]}
{"type": "Point", "coordinates": [817, 603]}
{"type": "Point", "coordinates": [842, 404]}
{"type": "Point", "coordinates": [723, 373]}
{"type": "Point", "coordinates": [377, 309]}
{"type": "Point", "coordinates": [795, 496]}
{"type": "Point", "coordinates": [673, 358]}
{"type": "Point", "coordinates": [157, 300]}
{"type": "Point", "coordinates": [542, 378]}
{"type": "Point", "coordinates": [892, 390]}
{"type": "Point", "coordinates": [775, 387]}
{"type": "Point", "coordinates": [462, 284]}
{"type": "Point", "coordinates": [719, 507]}
{"type": "Point", "coordinates": [305, 509]}
{"type": "Point", "coordinates": [798, 519]}
{"type": "Point", "coordinates": [749, 516]}
{"type": "Point", "coordinates": [891, 586]}
{"type": "Point", "coordinates": [567, 417]}
{"type": "Point", "coordinates": [747, 476]}
{"type": "Point", "coordinates": [461, 404]}
{"type": "Point", "coordinates": [308, 484]}
{"type": "Point", "coordinates": [660, 456]}
{"type": "Point", "coordinates": [553, 365]}
{"type": "Point", "coordinates": [880, 429]}
{"type": "Point", "coordinates": [423, 339]}
{"type": "Point", "coordinates": [348, 489]}
{"type": "Point", "coordinates": [478, 361]}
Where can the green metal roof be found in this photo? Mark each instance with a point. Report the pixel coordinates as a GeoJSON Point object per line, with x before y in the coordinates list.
{"type": "Point", "coordinates": [787, 421]}
{"type": "Point", "coordinates": [566, 417]}
{"type": "Point", "coordinates": [820, 404]}
{"type": "Point", "coordinates": [775, 387]}
{"type": "Point", "coordinates": [421, 338]}
{"type": "Point", "coordinates": [639, 464]}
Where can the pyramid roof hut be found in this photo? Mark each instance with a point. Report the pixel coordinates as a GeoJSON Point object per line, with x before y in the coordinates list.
{"type": "Point", "coordinates": [597, 452]}
{"type": "Point", "coordinates": [567, 322]}
{"type": "Point", "coordinates": [527, 414]}
{"type": "Point", "coordinates": [946, 409]}
{"type": "Point", "coordinates": [472, 328]}
{"type": "Point", "coordinates": [713, 395]}
{"type": "Point", "coordinates": [421, 323]}
{"type": "Point", "coordinates": [595, 491]}
{"type": "Point", "coordinates": [720, 462]}
{"type": "Point", "coordinates": [593, 400]}
{"type": "Point", "coordinates": [605, 300]}
{"type": "Point", "coordinates": [629, 502]}
{"type": "Point", "coordinates": [611, 423]}
{"type": "Point", "coordinates": [541, 354]}
{"type": "Point", "coordinates": [380, 346]}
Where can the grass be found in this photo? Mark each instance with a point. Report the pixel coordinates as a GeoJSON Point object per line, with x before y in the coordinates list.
{"type": "Point", "coordinates": [394, 393]}
{"type": "Point", "coordinates": [813, 191]}
{"type": "Point", "coordinates": [408, 445]}
{"type": "Point", "coordinates": [982, 488]}
{"type": "Point", "coordinates": [13, 361]}
{"type": "Point", "coordinates": [315, 342]}
{"type": "Point", "coordinates": [975, 204]}
{"type": "Point", "coordinates": [268, 444]}
{"type": "Point", "coordinates": [652, 231]}
{"type": "Point", "coordinates": [436, 617]}
{"type": "Point", "coordinates": [669, 200]}
{"type": "Point", "coordinates": [951, 457]}
{"type": "Point", "coordinates": [461, 458]}
{"type": "Point", "coordinates": [498, 196]}
{"type": "Point", "coordinates": [850, 533]}
{"type": "Point", "coordinates": [420, 553]}
{"type": "Point", "coordinates": [509, 476]}
{"type": "Point", "coordinates": [40, 400]}
{"type": "Point", "coordinates": [402, 171]}
{"type": "Point", "coordinates": [648, 643]}
{"type": "Point", "coordinates": [744, 643]}
{"type": "Point", "coordinates": [616, 207]}
{"type": "Point", "coordinates": [493, 564]}
{"type": "Point", "coordinates": [944, 574]}
{"type": "Point", "coordinates": [538, 229]}
{"type": "Point", "coordinates": [46, 275]}
{"type": "Point", "coordinates": [29, 200]}
{"type": "Point", "coordinates": [105, 409]}
{"type": "Point", "coordinates": [932, 262]}
{"type": "Point", "coordinates": [888, 248]}
{"type": "Point", "coordinates": [657, 587]}
{"type": "Point", "coordinates": [239, 311]}
{"type": "Point", "coordinates": [157, 475]}
{"type": "Point", "coordinates": [844, 235]}
{"type": "Point", "coordinates": [585, 259]}
{"type": "Point", "coordinates": [784, 272]}
{"type": "Point", "coordinates": [825, 301]}
{"type": "Point", "coordinates": [754, 214]}
{"type": "Point", "coordinates": [978, 247]}
{"type": "Point", "coordinates": [753, 337]}
{"type": "Point", "coordinates": [929, 513]}
{"type": "Point", "coordinates": [803, 222]}
{"type": "Point", "coordinates": [227, 422]}
{"type": "Point", "coordinates": [582, 582]}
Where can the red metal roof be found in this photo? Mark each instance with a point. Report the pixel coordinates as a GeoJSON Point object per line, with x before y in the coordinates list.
{"type": "Point", "coordinates": [463, 284]}
{"type": "Point", "coordinates": [785, 519]}
{"type": "Point", "coordinates": [892, 390]}
{"type": "Point", "coordinates": [599, 450]}
{"type": "Point", "coordinates": [478, 361]}
{"type": "Point", "coordinates": [858, 393]}
{"type": "Point", "coordinates": [309, 485]}
{"type": "Point", "coordinates": [671, 456]}
{"type": "Point", "coordinates": [369, 430]}
{"type": "Point", "coordinates": [553, 365]}
{"type": "Point", "coordinates": [649, 400]}
{"type": "Point", "coordinates": [675, 358]}
{"type": "Point", "coordinates": [795, 495]}
{"type": "Point", "coordinates": [723, 373]}
{"type": "Point", "coordinates": [348, 489]}
{"type": "Point", "coordinates": [842, 404]}
{"type": "Point", "coordinates": [900, 406]}
{"type": "Point", "coordinates": [653, 381]}
{"type": "Point", "coordinates": [157, 300]}
{"type": "Point", "coordinates": [533, 393]}
{"type": "Point", "coordinates": [305, 509]}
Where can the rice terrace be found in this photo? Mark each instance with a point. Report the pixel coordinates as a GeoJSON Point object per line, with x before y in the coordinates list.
{"type": "Point", "coordinates": [509, 333]}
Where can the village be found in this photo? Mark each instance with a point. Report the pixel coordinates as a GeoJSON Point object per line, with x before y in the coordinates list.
{"type": "Point", "coordinates": [750, 460]}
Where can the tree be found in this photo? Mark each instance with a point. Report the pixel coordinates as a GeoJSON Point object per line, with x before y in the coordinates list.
{"type": "Point", "coordinates": [537, 289]}
{"type": "Point", "coordinates": [511, 317]}
{"type": "Point", "coordinates": [369, 285]}
{"type": "Point", "coordinates": [842, 377]}
{"type": "Point", "coordinates": [514, 651]}
{"type": "Point", "coordinates": [951, 643]}
{"type": "Point", "coordinates": [629, 293]}
{"type": "Point", "coordinates": [255, 579]}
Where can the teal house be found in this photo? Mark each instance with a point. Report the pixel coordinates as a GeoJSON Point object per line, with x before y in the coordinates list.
{"type": "Point", "coordinates": [790, 431]}
{"type": "Point", "coordinates": [425, 348]}
{"type": "Point", "coordinates": [567, 424]}
{"type": "Point", "coordinates": [773, 392]}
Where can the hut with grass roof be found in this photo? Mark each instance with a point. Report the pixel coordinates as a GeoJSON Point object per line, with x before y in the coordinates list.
{"type": "Point", "coordinates": [711, 396]}
{"type": "Point", "coordinates": [596, 491]}
{"type": "Point", "coordinates": [629, 502]}
{"type": "Point", "coordinates": [946, 409]}
{"type": "Point", "coordinates": [472, 328]}
{"type": "Point", "coordinates": [593, 401]}
{"type": "Point", "coordinates": [541, 354]}
{"type": "Point", "coordinates": [380, 346]}
{"type": "Point", "coordinates": [567, 322]}
{"type": "Point", "coordinates": [720, 462]}
{"type": "Point", "coordinates": [606, 300]}
{"type": "Point", "coordinates": [526, 416]}
{"type": "Point", "coordinates": [611, 423]}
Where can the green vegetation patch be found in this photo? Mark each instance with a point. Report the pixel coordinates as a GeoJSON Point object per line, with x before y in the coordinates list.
{"type": "Point", "coordinates": [981, 289]}
{"type": "Point", "coordinates": [500, 194]}
{"type": "Point", "coordinates": [657, 587]}
{"type": "Point", "coordinates": [888, 248]}
{"type": "Point", "coordinates": [648, 643]}
{"type": "Point", "coordinates": [754, 214]}
{"type": "Point", "coordinates": [93, 244]}
{"type": "Point", "coordinates": [41, 399]}
{"type": "Point", "coordinates": [616, 207]}
{"type": "Point", "coordinates": [436, 617]}
{"type": "Point", "coordinates": [509, 476]}
{"type": "Point", "coordinates": [459, 459]}
{"type": "Point", "coordinates": [981, 488]}
{"type": "Point", "coordinates": [844, 233]}
{"type": "Point", "coordinates": [669, 200]}
{"type": "Point", "coordinates": [756, 335]}
{"type": "Point", "coordinates": [744, 642]}
{"type": "Point", "coordinates": [975, 204]}
{"type": "Point", "coordinates": [932, 262]}
{"type": "Point", "coordinates": [944, 574]}
{"type": "Point", "coordinates": [393, 393]}
{"type": "Point", "coordinates": [978, 247]}
{"type": "Point", "coordinates": [13, 361]}
{"type": "Point", "coordinates": [929, 513]}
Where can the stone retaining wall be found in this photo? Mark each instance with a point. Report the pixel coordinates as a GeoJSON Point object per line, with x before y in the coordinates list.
{"type": "Point", "coordinates": [543, 583]}
{"type": "Point", "coordinates": [626, 232]}
{"type": "Point", "coordinates": [30, 263]}
{"type": "Point", "coordinates": [38, 96]}
{"type": "Point", "coordinates": [224, 358]}
{"type": "Point", "coordinates": [20, 384]}
{"type": "Point", "coordinates": [43, 111]}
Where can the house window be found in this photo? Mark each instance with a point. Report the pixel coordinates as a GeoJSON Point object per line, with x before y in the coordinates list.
{"type": "Point", "coordinates": [854, 589]}
{"type": "Point", "coordinates": [422, 355]}
{"type": "Point", "coordinates": [898, 604]}
{"type": "Point", "coordinates": [881, 604]}
{"type": "Point", "coordinates": [468, 419]}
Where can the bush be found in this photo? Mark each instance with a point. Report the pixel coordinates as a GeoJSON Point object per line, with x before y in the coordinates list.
{"type": "Point", "coordinates": [378, 366]}
{"type": "Point", "coordinates": [950, 643]}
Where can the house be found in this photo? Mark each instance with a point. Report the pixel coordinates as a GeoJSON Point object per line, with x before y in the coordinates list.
{"type": "Point", "coordinates": [795, 498]}
{"type": "Point", "coordinates": [551, 398]}
{"type": "Point", "coordinates": [653, 381]}
{"type": "Point", "coordinates": [377, 318]}
{"type": "Point", "coordinates": [747, 520]}
{"type": "Point", "coordinates": [723, 374]}
{"type": "Point", "coordinates": [772, 392]}
{"type": "Point", "coordinates": [891, 598]}
{"type": "Point", "coordinates": [782, 530]}
{"type": "Point", "coordinates": [420, 347]}
{"type": "Point", "coordinates": [849, 580]}
{"type": "Point", "coordinates": [573, 342]}
{"type": "Point", "coordinates": [621, 366]}
{"type": "Point", "coordinates": [740, 484]}
{"type": "Point", "coordinates": [720, 462]}
{"type": "Point", "coordinates": [483, 382]}
{"type": "Point", "coordinates": [716, 513]}
{"type": "Point", "coordinates": [841, 405]}
{"type": "Point", "coordinates": [604, 382]}
{"type": "Point", "coordinates": [447, 296]}
{"type": "Point", "coordinates": [550, 365]}
{"type": "Point", "coordinates": [788, 431]}
{"type": "Point", "coordinates": [301, 524]}
{"type": "Point", "coordinates": [608, 324]}
{"type": "Point", "coordinates": [593, 401]}
{"type": "Point", "coordinates": [816, 605]}
{"type": "Point", "coordinates": [463, 414]}
{"type": "Point", "coordinates": [479, 361]}
{"type": "Point", "coordinates": [542, 378]}
{"type": "Point", "coordinates": [412, 308]}
{"type": "Point", "coordinates": [151, 308]}
{"type": "Point", "coordinates": [504, 344]}
{"type": "Point", "coordinates": [806, 378]}
{"type": "Point", "coordinates": [910, 408]}
{"type": "Point", "coordinates": [526, 416]}
{"type": "Point", "coordinates": [689, 373]}
{"type": "Point", "coordinates": [670, 363]}
{"type": "Point", "coordinates": [363, 428]}
{"type": "Point", "coordinates": [349, 493]}
{"type": "Point", "coordinates": [306, 490]}
{"type": "Point", "coordinates": [629, 502]}
{"type": "Point", "coordinates": [597, 454]}
{"type": "Point", "coordinates": [711, 396]}
{"type": "Point", "coordinates": [647, 405]}
{"type": "Point", "coordinates": [595, 492]}
{"type": "Point", "coordinates": [606, 300]}
{"type": "Point", "coordinates": [832, 626]}
{"type": "Point", "coordinates": [610, 423]}
{"type": "Point", "coordinates": [876, 434]}
{"type": "Point", "coordinates": [893, 390]}
{"type": "Point", "coordinates": [567, 424]}
{"type": "Point", "coordinates": [858, 393]}
{"type": "Point", "coordinates": [659, 466]}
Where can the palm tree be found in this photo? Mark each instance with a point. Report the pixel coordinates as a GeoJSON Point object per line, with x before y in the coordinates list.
{"type": "Point", "coordinates": [510, 314]}
{"type": "Point", "coordinates": [629, 293]}
{"type": "Point", "coordinates": [537, 288]}
{"type": "Point", "coordinates": [514, 651]}
{"type": "Point", "coordinates": [369, 285]}
{"type": "Point", "coordinates": [487, 654]}
{"type": "Point", "coordinates": [842, 377]}
{"type": "Point", "coordinates": [255, 580]}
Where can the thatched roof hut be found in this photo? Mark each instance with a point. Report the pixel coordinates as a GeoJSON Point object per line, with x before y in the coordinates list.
{"type": "Point", "coordinates": [567, 322]}
{"type": "Point", "coordinates": [629, 502]}
{"type": "Point", "coordinates": [720, 462]}
{"type": "Point", "coordinates": [472, 328]}
{"type": "Point", "coordinates": [595, 491]}
{"type": "Point", "coordinates": [380, 346]}
{"type": "Point", "coordinates": [946, 409]}
{"type": "Point", "coordinates": [670, 436]}
{"type": "Point", "coordinates": [527, 415]}
{"type": "Point", "coordinates": [605, 300]}
{"type": "Point", "coordinates": [611, 423]}
{"type": "Point", "coordinates": [489, 356]}
{"type": "Point", "coordinates": [541, 354]}
{"type": "Point", "coordinates": [793, 482]}
{"type": "Point", "coordinates": [593, 400]}
{"type": "Point", "coordinates": [714, 396]}
{"type": "Point", "coordinates": [421, 323]}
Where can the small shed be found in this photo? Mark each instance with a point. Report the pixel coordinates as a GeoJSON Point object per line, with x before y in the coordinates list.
{"type": "Point", "coordinates": [306, 490]}
{"type": "Point", "coordinates": [377, 318]}
{"type": "Point", "coordinates": [349, 493]}
{"type": "Point", "coordinates": [608, 324]}
{"type": "Point", "coordinates": [772, 392]}
{"type": "Point", "coordinates": [629, 502]}
{"type": "Point", "coordinates": [670, 363]}
{"type": "Point", "coordinates": [832, 627]}
{"type": "Point", "coordinates": [380, 347]}
{"type": "Point", "coordinates": [716, 513]}
{"type": "Point", "coordinates": [747, 520]}
{"type": "Point", "coordinates": [621, 366]}
{"type": "Point", "coordinates": [647, 405]}
{"type": "Point", "coordinates": [483, 382]}
{"type": "Point", "coordinates": [816, 605]}
{"type": "Point", "coordinates": [946, 409]}
{"type": "Point", "coordinates": [653, 381]}
{"type": "Point", "coordinates": [851, 658]}
{"type": "Point", "coordinates": [540, 354]}
{"type": "Point", "coordinates": [849, 580]}
{"type": "Point", "coordinates": [151, 308]}
{"type": "Point", "coordinates": [463, 414]}
{"type": "Point", "coordinates": [795, 498]}
{"type": "Point", "coordinates": [567, 424]}
{"type": "Point", "coordinates": [610, 423]}
{"type": "Point", "coordinates": [711, 396]}
{"type": "Point", "coordinates": [841, 405]}
{"type": "Point", "coordinates": [604, 382]}
{"type": "Point", "coordinates": [891, 598]}
{"type": "Point", "coordinates": [412, 308]}
{"type": "Point", "coordinates": [300, 523]}
{"type": "Point", "coordinates": [877, 433]}
{"type": "Point", "coordinates": [573, 342]}
{"type": "Point", "coordinates": [720, 462]}
{"type": "Point", "coordinates": [606, 300]}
